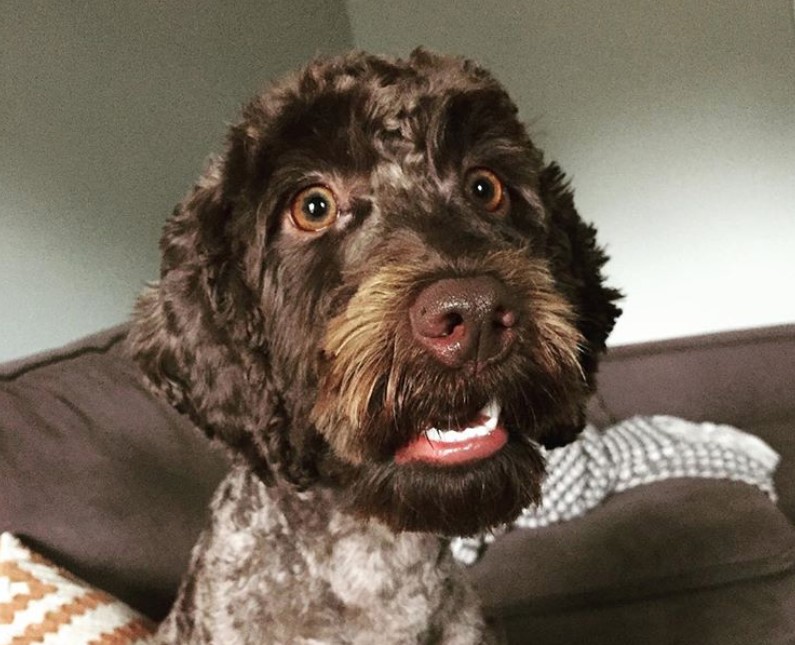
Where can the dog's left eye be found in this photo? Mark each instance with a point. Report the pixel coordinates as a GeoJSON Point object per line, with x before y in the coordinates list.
{"type": "Point", "coordinates": [485, 188]}
{"type": "Point", "coordinates": [314, 208]}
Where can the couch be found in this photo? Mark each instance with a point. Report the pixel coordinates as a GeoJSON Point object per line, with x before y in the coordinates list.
{"type": "Point", "coordinates": [110, 483]}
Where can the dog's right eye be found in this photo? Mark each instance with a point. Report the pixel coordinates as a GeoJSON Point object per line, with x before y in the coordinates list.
{"type": "Point", "coordinates": [485, 189]}
{"type": "Point", "coordinates": [314, 208]}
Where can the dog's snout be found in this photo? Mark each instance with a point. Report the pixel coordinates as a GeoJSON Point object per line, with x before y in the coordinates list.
{"type": "Point", "coordinates": [464, 320]}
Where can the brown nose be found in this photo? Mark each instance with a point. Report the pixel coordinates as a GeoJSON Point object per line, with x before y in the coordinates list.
{"type": "Point", "coordinates": [464, 320]}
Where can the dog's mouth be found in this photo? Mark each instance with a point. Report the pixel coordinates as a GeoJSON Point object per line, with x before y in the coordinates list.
{"type": "Point", "coordinates": [479, 439]}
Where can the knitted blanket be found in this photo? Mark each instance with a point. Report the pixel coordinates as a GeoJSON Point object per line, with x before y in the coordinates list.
{"type": "Point", "coordinates": [640, 450]}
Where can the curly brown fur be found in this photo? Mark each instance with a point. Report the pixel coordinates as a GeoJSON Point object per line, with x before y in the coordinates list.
{"type": "Point", "coordinates": [276, 566]}
{"type": "Point", "coordinates": [296, 349]}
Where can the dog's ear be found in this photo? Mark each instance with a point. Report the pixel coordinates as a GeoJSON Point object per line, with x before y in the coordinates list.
{"type": "Point", "coordinates": [576, 262]}
{"type": "Point", "coordinates": [198, 333]}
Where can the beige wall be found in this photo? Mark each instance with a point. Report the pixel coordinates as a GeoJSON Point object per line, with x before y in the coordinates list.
{"type": "Point", "coordinates": [676, 121]}
{"type": "Point", "coordinates": [108, 111]}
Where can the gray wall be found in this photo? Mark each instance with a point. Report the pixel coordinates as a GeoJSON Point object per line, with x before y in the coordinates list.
{"type": "Point", "coordinates": [676, 121]}
{"type": "Point", "coordinates": [107, 114]}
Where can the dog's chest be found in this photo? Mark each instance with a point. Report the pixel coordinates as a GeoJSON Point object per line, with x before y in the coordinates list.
{"type": "Point", "coordinates": [276, 566]}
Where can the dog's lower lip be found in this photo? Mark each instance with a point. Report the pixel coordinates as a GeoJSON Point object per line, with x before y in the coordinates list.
{"type": "Point", "coordinates": [451, 447]}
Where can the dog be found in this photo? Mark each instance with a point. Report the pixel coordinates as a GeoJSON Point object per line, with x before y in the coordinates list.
{"type": "Point", "coordinates": [383, 301]}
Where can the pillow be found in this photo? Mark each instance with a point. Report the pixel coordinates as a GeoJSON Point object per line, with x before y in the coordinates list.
{"type": "Point", "coordinates": [40, 603]}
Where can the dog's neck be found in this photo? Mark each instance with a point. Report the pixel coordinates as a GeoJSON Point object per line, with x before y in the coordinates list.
{"type": "Point", "coordinates": [292, 567]}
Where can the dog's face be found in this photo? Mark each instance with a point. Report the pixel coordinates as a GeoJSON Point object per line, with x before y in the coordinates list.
{"type": "Point", "coordinates": [382, 287]}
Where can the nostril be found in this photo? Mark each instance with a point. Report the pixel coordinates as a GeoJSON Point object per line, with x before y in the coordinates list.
{"type": "Point", "coordinates": [454, 320]}
{"type": "Point", "coordinates": [437, 324]}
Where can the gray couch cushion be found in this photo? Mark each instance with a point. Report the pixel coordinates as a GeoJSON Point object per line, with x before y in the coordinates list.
{"type": "Point", "coordinates": [97, 474]}
{"type": "Point", "coordinates": [682, 561]}
{"type": "Point", "coordinates": [669, 537]}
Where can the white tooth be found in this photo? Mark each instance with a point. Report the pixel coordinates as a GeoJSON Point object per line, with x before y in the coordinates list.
{"type": "Point", "coordinates": [477, 431]}
{"type": "Point", "coordinates": [492, 413]}
{"type": "Point", "coordinates": [493, 409]}
{"type": "Point", "coordinates": [451, 436]}
{"type": "Point", "coordinates": [454, 436]}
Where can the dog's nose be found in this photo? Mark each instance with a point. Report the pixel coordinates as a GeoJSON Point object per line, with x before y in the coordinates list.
{"type": "Point", "coordinates": [464, 320]}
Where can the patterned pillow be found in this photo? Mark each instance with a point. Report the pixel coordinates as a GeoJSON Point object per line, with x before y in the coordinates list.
{"type": "Point", "coordinates": [40, 603]}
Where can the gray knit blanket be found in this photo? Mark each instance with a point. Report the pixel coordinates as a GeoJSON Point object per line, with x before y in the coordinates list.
{"type": "Point", "coordinates": [638, 451]}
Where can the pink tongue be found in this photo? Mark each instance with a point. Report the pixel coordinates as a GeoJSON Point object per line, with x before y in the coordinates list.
{"type": "Point", "coordinates": [447, 453]}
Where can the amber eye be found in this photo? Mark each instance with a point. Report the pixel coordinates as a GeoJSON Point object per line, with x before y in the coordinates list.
{"type": "Point", "coordinates": [314, 208]}
{"type": "Point", "coordinates": [485, 188]}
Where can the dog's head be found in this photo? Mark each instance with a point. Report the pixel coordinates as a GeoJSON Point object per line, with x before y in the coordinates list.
{"type": "Point", "coordinates": [383, 287]}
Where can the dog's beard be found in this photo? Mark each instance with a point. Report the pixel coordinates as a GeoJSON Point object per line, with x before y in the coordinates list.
{"type": "Point", "coordinates": [380, 395]}
{"type": "Point", "coordinates": [460, 499]}
{"type": "Point", "coordinates": [468, 495]}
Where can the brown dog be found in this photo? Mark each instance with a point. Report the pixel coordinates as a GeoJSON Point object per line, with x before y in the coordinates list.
{"type": "Point", "coordinates": [380, 295]}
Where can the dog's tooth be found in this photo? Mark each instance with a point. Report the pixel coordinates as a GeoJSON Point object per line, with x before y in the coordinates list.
{"type": "Point", "coordinates": [492, 409]}
{"type": "Point", "coordinates": [487, 421]}
{"type": "Point", "coordinates": [483, 430]}
{"type": "Point", "coordinates": [454, 436]}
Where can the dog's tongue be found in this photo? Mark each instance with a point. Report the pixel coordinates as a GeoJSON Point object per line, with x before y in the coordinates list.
{"type": "Point", "coordinates": [477, 441]}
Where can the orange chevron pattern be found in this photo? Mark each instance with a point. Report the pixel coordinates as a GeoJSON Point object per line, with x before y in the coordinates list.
{"type": "Point", "coordinates": [36, 590]}
{"type": "Point", "coordinates": [38, 601]}
{"type": "Point", "coordinates": [53, 620]}
{"type": "Point", "coordinates": [132, 632]}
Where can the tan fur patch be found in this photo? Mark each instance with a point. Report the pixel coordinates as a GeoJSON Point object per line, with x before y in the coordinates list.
{"type": "Point", "coordinates": [362, 344]}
